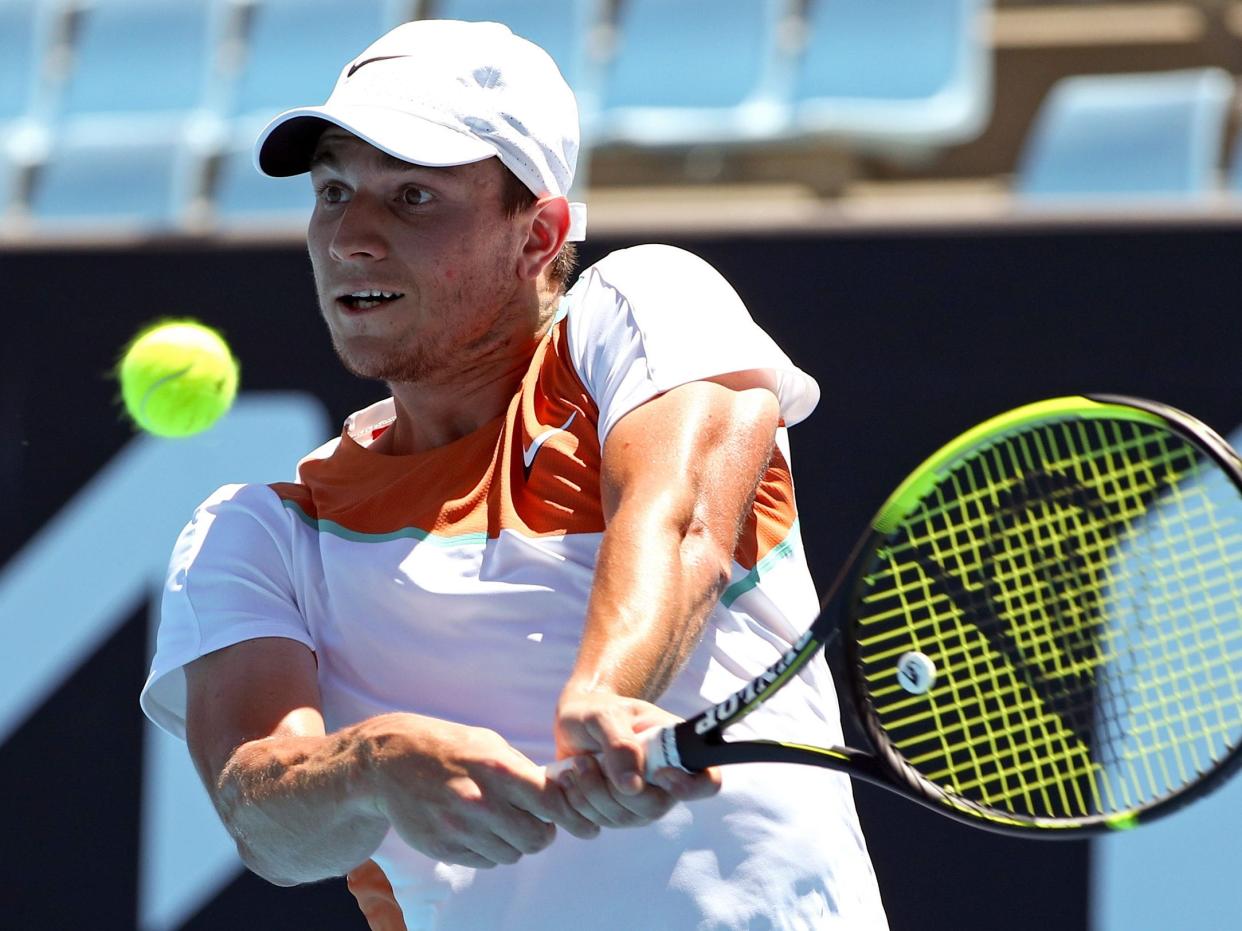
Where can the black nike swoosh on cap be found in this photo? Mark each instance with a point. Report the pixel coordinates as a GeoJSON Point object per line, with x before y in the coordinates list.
{"type": "Point", "coordinates": [353, 68]}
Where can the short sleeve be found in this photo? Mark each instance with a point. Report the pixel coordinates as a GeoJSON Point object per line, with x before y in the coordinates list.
{"type": "Point", "coordinates": [647, 319]}
{"type": "Point", "coordinates": [228, 581]}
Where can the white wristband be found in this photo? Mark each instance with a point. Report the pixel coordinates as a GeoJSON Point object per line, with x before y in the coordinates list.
{"type": "Point", "coordinates": [659, 750]}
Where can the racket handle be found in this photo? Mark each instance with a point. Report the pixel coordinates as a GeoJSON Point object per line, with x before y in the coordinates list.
{"type": "Point", "coordinates": [659, 749]}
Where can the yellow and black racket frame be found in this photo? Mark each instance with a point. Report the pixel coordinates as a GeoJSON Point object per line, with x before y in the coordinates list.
{"type": "Point", "coordinates": [891, 765]}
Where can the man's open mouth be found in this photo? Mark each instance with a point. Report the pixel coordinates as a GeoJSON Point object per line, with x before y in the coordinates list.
{"type": "Point", "coordinates": [368, 299]}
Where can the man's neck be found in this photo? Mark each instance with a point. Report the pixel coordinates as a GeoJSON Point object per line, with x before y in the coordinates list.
{"type": "Point", "coordinates": [430, 416]}
{"type": "Point", "coordinates": [438, 411]}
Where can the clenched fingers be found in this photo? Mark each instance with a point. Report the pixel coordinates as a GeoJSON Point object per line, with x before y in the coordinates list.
{"type": "Point", "coordinates": [550, 805]}
{"type": "Point", "coordinates": [598, 799]}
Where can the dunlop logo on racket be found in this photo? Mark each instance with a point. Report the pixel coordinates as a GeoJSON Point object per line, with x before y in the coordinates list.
{"type": "Point", "coordinates": [741, 701]}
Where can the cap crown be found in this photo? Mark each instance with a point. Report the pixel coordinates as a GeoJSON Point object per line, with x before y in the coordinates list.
{"type": "Point", "coordinates": [478, 79]}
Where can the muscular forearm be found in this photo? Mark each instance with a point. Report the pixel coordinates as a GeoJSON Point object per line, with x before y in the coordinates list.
{"type": "Point", "coordinates": [659, 575]}
{"type": "Point", "coordinates": [679, 479]}
{"type": "Point", "coordinates": [299, 807]}
{"type": "Point", "coordinates": [307, 807]}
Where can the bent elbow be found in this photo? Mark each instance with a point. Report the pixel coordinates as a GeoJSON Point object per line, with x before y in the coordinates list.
{"type": "Point", "coordinates": [281, 881]}
{"type": "Point", "coordinates": [264, 870]}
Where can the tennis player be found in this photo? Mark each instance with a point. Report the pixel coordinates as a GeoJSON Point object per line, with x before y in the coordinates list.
{"type": "Point", "coordinates": [573, 519]}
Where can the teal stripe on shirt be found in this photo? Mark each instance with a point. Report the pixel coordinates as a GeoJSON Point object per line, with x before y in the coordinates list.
{"type": "Point", "coordinates": [782, 551]}
{"type": "Point", "coordinates": [405, 533]}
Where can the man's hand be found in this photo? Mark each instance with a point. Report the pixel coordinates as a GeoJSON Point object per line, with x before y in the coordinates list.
{"type": "Point", "coordinates": [463, 794]}
{"type": "Point", "coordinates": [615, 793]}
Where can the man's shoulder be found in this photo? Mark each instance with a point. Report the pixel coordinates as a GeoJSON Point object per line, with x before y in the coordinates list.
{"type": "Point", "coordinates": [243, 508]}
{"type": "Point", "coordinates": [646, 279]}
{"type": "Point", "coordinates": [645, 261]}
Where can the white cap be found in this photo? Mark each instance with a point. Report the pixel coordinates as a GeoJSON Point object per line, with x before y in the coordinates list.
{"type": "Point", "coordinates": [440, 92]}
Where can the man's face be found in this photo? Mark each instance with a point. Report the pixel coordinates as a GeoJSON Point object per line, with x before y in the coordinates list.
{"type": "Point", "coordinates": [416, 268]}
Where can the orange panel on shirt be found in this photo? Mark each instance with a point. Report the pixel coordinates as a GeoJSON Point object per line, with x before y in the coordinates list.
{"type": "Point", "coordinates": [479, 483]}
{"type": "Point", "coordinates": [772, 517]}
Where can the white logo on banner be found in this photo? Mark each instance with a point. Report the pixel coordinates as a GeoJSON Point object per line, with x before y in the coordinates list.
{"type": "Point", "coordinates": [99, 559]}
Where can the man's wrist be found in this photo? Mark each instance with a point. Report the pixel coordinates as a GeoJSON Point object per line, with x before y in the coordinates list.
{"type": "Point", "coordinates": [365, 767]}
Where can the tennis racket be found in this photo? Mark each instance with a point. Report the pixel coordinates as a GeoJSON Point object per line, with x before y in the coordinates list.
{"type": "Point", "coordinates": [1042, 627]}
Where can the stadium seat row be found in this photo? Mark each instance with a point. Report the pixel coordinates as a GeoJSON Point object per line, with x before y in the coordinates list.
{"type": "Point", "coordinates": [140, 114]}
{"type": "Point", "coordinates": [97, 96]}
{"type": "Point", "coordinates": [1157, 135]}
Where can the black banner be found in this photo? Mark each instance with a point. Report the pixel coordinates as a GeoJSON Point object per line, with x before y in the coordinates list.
{"type": "Point", "coordinates": [913, 338]}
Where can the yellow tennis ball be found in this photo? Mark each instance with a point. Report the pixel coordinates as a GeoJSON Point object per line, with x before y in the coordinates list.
{"type": "Point", "coordinates": [178, 378]}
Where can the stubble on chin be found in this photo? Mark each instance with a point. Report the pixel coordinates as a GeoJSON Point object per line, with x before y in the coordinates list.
{"type": "Point", "coordinates": [392, 363]}
{"type": "Point", "coordinates": [442, 356]}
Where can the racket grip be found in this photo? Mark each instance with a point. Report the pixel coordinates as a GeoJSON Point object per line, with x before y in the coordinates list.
{"type": "Point", "coordinates": [659, 750]}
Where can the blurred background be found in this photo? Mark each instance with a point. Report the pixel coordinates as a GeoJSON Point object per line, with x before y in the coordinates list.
{"type": "Point", "coordinates": [941, 208]}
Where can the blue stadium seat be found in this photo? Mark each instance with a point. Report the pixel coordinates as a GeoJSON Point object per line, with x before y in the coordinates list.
{"type": "Point", "coordinates": [295, 50]}
{"type": "Point", "coordinates": [127, 137]}
{"type": "Point", "coordinates": [142, 56]}
{"type": "Point", "coordinates": [115, 174]}
{"type": "Point", "coordinates": [1152, 135]}
{"type": "Point", "coordinates": [20, 57]}
{"type": "Point", "coordinates": [902, 73]}
{"type": "Point", "coordinates": [245, 198]}
{"type": "Point", "coordinates": [26, 29]}
{"type": "Point", "coordinates": [691, 71]}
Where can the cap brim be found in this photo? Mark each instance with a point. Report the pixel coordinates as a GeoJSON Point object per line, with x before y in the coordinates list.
{"type": "Point", "coordinates": [287, 143]}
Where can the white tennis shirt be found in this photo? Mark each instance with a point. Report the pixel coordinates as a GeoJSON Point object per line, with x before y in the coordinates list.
{"type": "Point", "coordinates": [454, 583]}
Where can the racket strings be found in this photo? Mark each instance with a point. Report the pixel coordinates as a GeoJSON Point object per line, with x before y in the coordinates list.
{"type": "Point", "coordinates": [1075, 585]}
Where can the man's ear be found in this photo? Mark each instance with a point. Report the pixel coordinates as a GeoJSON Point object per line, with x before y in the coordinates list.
{"type": "Point", "coordinates": [548, 229]}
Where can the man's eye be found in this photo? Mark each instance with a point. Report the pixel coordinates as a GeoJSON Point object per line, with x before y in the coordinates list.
{"type": "Point", "coordinates": [331, 193]}
{"type": "Point", "coordinates": [414, 196]}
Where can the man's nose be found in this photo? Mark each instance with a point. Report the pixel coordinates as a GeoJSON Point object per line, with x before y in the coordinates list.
{"type": "Point", "coordinates": [359, 232]}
